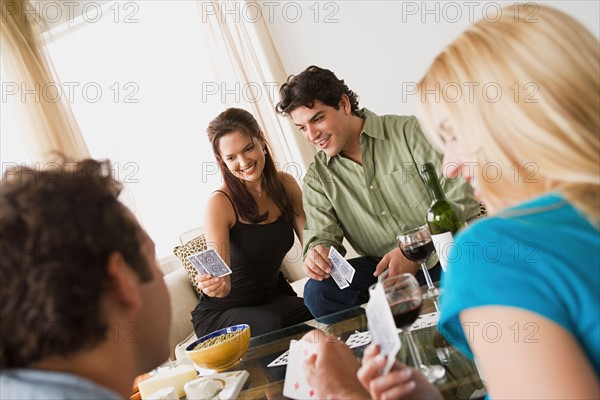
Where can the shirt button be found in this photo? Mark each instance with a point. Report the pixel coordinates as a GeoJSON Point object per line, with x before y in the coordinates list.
{"type": "Point", "coordinates": [383, 213]}
{"type": "Point", "coordinates": [371, 187]}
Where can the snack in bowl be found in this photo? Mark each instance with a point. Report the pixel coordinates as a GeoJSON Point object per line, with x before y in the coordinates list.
{"type": "Point", "coordinates": [203, 388]}
{"type": "Point", "coordinates": [220, 350]}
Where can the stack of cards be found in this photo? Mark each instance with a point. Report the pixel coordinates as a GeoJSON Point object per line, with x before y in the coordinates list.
{"type": "Point", "coordinates": [209, 262]}
{"type": "Point", "coordinates": [341, 271]}
{"type": "Point", "coordinates": [382, 326]}
{"type": "Point", "coordinates": [295, 385]}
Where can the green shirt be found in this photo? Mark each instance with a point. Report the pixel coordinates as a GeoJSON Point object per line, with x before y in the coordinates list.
{"type": "Point", "coordinates": [370, 204]}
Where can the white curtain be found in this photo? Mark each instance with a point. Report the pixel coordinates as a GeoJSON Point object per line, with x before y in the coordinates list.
{"type": "Point", "coordinates": [247, 63]}
{"type": "Point", "coordinates": [43, 113]}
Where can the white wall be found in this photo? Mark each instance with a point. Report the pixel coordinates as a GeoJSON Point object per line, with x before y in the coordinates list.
{"type": "Point", "coordinates": [375, 46]}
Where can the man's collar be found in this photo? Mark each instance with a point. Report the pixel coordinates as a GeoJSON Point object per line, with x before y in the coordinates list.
{"type": "Point", "coordinates": [372, 127]}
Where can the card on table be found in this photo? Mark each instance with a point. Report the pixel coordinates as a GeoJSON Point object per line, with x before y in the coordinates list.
{"type": "Point", "coordinates": [382, 326]}
{"type": "Point", "coordinates": [295, 385]}
{"type": "Point", "coordinates": [281, 360]}
{"type": "Point", "coordinates": [359, 339]}
{"type": "Point", "coordinates": [425, 321]}
{"type": "Point", "coordinates": [212, 263]}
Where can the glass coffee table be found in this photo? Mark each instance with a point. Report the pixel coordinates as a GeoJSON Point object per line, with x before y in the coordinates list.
{"type": "Point", "coordinates": [462, 380]}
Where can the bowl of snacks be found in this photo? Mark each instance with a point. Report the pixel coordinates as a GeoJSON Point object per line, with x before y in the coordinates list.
{"type": "Point", "coordinates": [220, 350]}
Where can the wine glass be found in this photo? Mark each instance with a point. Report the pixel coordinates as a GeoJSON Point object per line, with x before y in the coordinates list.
{"type": "Point", "coordinates": [416, 245]}
{"type": "Point", "coordinates": [404, 297]}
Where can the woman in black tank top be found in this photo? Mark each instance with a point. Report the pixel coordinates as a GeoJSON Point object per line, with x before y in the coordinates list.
{"type": "Point", "coordinates": [250, 221]}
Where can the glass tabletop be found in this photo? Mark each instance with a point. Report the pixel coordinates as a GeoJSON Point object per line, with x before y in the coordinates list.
{"type": "Point", "coordinates": [462, 380]}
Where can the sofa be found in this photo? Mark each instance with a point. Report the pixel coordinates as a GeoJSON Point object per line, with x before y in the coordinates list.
{"type": "Point", "coordinates": [184, 297]}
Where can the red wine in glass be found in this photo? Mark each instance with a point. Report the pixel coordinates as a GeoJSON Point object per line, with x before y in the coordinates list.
{"type": "Point", "coordinates": [405, 300]}
{"type": "Point", "coordinates": [418, 251]}
{"type": "Point", "coordinates": [416, 245]}
{"type": "Point", "coordinates": [406, 312]}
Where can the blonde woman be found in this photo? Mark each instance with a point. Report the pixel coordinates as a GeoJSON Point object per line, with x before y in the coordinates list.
{"type": "Point", "coordinates": [521, 294]}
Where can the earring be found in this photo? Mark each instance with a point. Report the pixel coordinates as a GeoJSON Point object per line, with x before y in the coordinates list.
{"type": "Point", "coordinates": [264, 150]}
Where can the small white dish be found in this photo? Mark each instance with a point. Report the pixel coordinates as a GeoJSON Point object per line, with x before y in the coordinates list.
{"type": "Point", "coordinates": [232, 384]}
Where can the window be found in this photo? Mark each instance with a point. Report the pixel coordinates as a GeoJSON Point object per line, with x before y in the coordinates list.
{"type": "Point", "coordinates": [135, 80]}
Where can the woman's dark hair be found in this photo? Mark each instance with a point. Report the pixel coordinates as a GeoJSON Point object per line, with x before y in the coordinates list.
{"type": "Point", "coordinates": [237, 119]}
{"type": "Point", "coordinates": [314, 84]}
{"type": "Point", "coordinates": [58, 227]}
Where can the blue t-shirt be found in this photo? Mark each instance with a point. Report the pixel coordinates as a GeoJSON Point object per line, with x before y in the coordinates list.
{"type": "Point", "coordinates": [32, 384]}
{"type": "Point", "coordinates": [542, 256]}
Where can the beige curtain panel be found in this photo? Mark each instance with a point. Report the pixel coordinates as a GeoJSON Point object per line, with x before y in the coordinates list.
{"type": "Point", "coordinates": [245, 60]}
{"type": "Point", "coordinates": [32, 87]}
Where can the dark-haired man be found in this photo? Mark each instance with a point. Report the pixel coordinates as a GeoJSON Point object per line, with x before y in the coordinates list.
{"type": "Point", "coordinates": [363, 186]}
{"type": "Point", "coordinates": [83, 306]}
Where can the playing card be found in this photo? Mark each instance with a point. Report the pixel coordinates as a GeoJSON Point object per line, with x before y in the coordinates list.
{"type": "Point", "coordinates": [295, 385]}
{"type": "Point", "coordinates": [340, 263]}
{"type": "Point", "coordinates": [338, 278]}
{"type": "Point", "coordinates": [281, 360]}
{"type": "Point", "coordinates": [213, 263]}
{"type": "Point", "coordinates": [425, 321]}
{"type": "Point", "coordinates": [359, 339]}
{"type": "Point", "coordinates": [382, 326]}
{"type": "Point", "coordinates": [197, 264]}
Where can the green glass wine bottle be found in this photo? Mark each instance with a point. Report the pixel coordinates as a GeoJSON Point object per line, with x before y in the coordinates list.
{"type": "Point", "coordinates": [442, 218]}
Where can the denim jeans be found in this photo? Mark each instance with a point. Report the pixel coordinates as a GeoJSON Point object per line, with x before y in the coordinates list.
{"type": "Point", "coordinates": [325, 297]}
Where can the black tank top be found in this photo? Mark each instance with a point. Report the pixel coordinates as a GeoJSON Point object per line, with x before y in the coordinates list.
{"type": "Point", "coordinates": [257, 251]}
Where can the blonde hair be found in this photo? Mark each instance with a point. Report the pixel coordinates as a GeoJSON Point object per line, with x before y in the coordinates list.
{"type": "Point", "coordinates": [547, 66]}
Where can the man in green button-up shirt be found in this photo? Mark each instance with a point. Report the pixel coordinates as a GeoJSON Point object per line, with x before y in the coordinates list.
{"type": "Point", "coordinates": [364, 185]}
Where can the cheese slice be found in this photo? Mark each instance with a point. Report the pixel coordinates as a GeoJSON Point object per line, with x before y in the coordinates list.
{"type": "Point", "coordinates": [176, 377]}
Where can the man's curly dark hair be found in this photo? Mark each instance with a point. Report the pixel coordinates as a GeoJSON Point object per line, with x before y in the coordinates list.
{"type": "Point", "coordinates": [58, 227]}
{"type": "Point", "coordinates": [314, 84]}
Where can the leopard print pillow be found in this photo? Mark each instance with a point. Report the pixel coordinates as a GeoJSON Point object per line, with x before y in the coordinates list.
{"type": "Point", "coordinates": [194, 246]}
{"type": "Point", "coordinates": [482, 210]}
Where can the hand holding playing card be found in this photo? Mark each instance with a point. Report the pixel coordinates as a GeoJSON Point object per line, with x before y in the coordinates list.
{"type": "Point", "coordinates": [401, 381]}
{"type": "Point", "coordinates": [341, 270]}
{"type": "Point", "coordinates": [331, 370]}
{"type": "Point", "coordinates": [213, 287]}
{"type": "Point", "coordinates": [316, 263]}
{"type": "Point", "coordinates": [212, 273]}
{"type": "Point", "coordinates": [211, 263]}
{"type": "Point", "coordinates": [382, 326]}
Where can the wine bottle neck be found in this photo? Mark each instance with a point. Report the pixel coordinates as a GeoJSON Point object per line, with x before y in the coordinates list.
{"type": "Point", "coordinates": [432, 183]}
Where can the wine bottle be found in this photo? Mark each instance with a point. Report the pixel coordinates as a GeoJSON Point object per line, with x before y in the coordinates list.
{"type": "Point", "coordinates": [442, 218]}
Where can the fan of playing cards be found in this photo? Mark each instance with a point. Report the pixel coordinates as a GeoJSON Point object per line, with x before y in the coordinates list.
{"type": "Point", "coordinates": [341, 270]}
{"type": "Point", "coordinates": [209, 262]}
